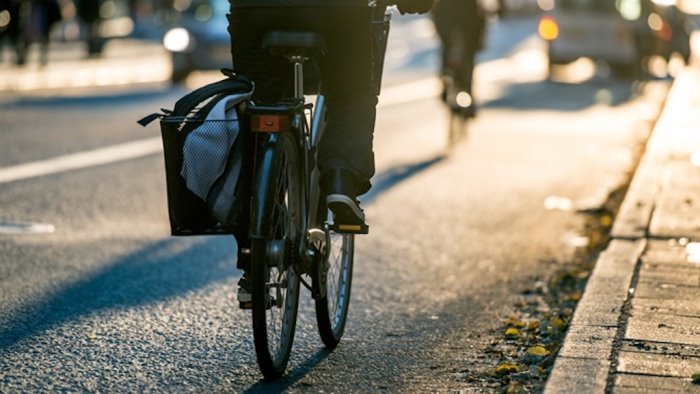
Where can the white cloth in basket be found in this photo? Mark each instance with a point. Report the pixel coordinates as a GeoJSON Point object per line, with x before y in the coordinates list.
{"type": "Point", "coordinates": [208, 168]}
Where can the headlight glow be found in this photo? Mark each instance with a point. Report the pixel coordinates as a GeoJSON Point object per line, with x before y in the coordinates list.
{"type": "Point", "coordinates": [176, 40]}
{"type": "Point", "coordinates": [548, 28]}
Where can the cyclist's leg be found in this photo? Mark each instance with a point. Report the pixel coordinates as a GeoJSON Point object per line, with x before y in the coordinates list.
{"type": "Point", "coordinates": [346, 159]}
{"type": "Point", "coordinates": [271, 74]}
{"type": "Point", "coordinates": [464, 80]}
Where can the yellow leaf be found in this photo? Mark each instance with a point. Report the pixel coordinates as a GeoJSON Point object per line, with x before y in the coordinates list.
{"type": "Point", "coordinates": [506, 368]}
{"type": "Point", "coordinates": [558, 323]}
{"type": "Point", "coordinates": [538, 351]}
{"type": "Point", "coordinates": [512, 332]}
{"type": "Point", "coordinates": [513, 322]}
{"type": "Point", "coordinates": [533, 325]}
{"type": "Point", "coordinates": [606, 221]}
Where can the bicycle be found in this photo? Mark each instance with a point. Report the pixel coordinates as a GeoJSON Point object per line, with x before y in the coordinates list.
{"type": "Point", "coordinates": [459, 102]}
{"type": "Point", "coordinates": [292, 233]}
{"type": "Point", "coordinates": [457, 96]}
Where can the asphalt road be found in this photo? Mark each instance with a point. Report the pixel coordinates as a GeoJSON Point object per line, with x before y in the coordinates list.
{"type": "Point", "coordinates": [109, 302]}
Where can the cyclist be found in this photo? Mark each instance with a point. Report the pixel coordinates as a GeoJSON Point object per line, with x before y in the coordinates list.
{"type": "Point", "coordinates": [345, 156]}
{"type": "Point", "coordinates": [461, 26]}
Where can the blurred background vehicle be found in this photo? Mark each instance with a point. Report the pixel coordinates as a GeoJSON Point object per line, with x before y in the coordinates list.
{"type": "Point", "coordinates": [198, 38]}
{"type": "Point", "coordinates": [625, 34]}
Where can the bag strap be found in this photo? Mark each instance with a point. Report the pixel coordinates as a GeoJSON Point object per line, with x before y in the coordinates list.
{"type": "Point", "coordinates": [233, 83]}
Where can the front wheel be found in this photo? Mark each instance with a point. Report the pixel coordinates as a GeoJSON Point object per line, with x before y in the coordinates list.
{"type": "Point", "coordinates": [276, 233]}
{"type": "Point", "coordinates": [332, 282]}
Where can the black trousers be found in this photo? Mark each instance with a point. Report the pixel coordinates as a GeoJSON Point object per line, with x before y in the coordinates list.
{"type": "Point", "coordinates": [461, 27]}
{"type": "Point", "coordinates": [346, 75]}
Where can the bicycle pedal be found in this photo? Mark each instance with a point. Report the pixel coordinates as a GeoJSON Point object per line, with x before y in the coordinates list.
{"type": "Point", "coordinates": [350, 228]}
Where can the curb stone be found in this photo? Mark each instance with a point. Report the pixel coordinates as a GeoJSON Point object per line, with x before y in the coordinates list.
{"type": "Point", "coordinates": [636, 326]}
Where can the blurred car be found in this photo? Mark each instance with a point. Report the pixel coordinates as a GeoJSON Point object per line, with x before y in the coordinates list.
{"type": "Point", "coordinates": [198, 38]}
{"type": "Point", "coordinates": [623, 33]}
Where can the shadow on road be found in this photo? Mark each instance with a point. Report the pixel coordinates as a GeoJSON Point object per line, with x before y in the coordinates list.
{"type": "Point", "coordinates": [395, 175]}
{"type": "Point", "coordinates": [167, 269]}
{"type": "Point", "coordinates": [562, 96]}
{"type": "Point", "coordinates": [283, 384]}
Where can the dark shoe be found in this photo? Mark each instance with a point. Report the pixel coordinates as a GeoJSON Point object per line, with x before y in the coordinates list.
{"type": "Point", "coordinates": [245, 299]}
{"type": "Point", "coordinates": [345, 210]}
{"type": "Point", "coordinates": [341, 189]}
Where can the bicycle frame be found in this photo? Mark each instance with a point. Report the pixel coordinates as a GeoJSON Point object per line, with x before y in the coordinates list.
{"type": "Point", "coordinates": [308, 138]}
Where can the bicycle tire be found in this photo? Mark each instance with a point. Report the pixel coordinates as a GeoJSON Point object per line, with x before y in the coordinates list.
{"type": "Point", "coordinates": [332, 282]}
{"type": "Point", "coordinates": [275, 286]}
{"type": "Point", "coordinates": [457, 128]}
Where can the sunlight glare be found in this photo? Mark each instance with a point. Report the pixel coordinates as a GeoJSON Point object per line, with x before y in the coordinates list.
{"type": "Point", "coordinates": [464, 99]}
{"type": "Point", "coordinates": [545, 5]}
{"type": "Point", "coordinates": [630, 10]}
{"type": "Point", "coordinates": [695, 158]}
{"type": "Point", "coordinates": [693, 251]}
{"type": "Point", "coordinates": [556, 203]}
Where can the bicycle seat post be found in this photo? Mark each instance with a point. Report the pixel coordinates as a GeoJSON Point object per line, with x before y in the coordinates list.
{"type": "Point", "coordinates": [298, 76]}
{"type": "Point", "coordinates": [297, 47]}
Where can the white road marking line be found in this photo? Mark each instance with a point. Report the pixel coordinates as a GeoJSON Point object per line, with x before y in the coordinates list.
{"type": "Point", "coordinates": [409, 92]}
{"type": "Point", "coordinates": [110, 154]}
{"type": "Point", "coordinates": [15, 228]}
{"type": "Point", "coordinates": [390, 96]}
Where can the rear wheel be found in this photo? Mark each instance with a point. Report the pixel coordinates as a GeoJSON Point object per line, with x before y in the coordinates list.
{"type": "Point", "coordinates": [274, 281]}
{"type": "Point", "coordinates": [332, 281]}
{"type": "Point", "coordinates": [457, 127]}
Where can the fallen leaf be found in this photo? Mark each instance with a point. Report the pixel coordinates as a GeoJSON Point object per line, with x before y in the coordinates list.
{"type": "Point", "coordinates": [606, 221]}
{"type": "Point", "coordinates": [512, 332]}
{"type": "Point", "coordinates": [533, 325]}
{"type": "Point", "coordinates": [535, 354]}
{"type": "Point", "coordinates": [513, 322]}
{"type": "Point", "coordinates": [558, 323]}
{"type": "Point", "coordinates": [539, 351]}
{"type": "Point", "coordinates": [507, 368]}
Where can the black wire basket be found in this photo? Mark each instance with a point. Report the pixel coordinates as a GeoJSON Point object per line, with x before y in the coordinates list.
{"type": "Point", "coordinates": [189, 214]}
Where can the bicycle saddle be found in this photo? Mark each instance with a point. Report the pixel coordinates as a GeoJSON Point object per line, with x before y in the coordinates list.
{"type": "Point", "coordinates": [292, 43]}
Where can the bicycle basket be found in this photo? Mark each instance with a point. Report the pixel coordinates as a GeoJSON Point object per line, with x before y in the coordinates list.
{"type": "Point", "coordinates": [189, 213]}
{"type": "Point", "coordinates": [205, 146]}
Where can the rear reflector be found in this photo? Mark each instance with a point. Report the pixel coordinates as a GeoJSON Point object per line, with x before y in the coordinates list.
{"type": "Point", "coordinates": [272, 123]}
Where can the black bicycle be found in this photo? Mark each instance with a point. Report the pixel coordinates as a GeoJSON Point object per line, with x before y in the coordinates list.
{"type": "Point", "coordinates": [458, 102]}
{"type": "Point", "coordinates": [294, 240]}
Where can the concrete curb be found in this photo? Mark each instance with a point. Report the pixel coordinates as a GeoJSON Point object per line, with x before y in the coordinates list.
{"type": "Point", "coordinates": [583, 363]}
{"type": "Point", "coordinates": [588, 356]}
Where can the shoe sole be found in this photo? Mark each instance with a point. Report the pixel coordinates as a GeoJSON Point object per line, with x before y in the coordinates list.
{"type": "Point", "coordinates": [345, 211]}
{"type": "Point", "coordinates": [244, 297]}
